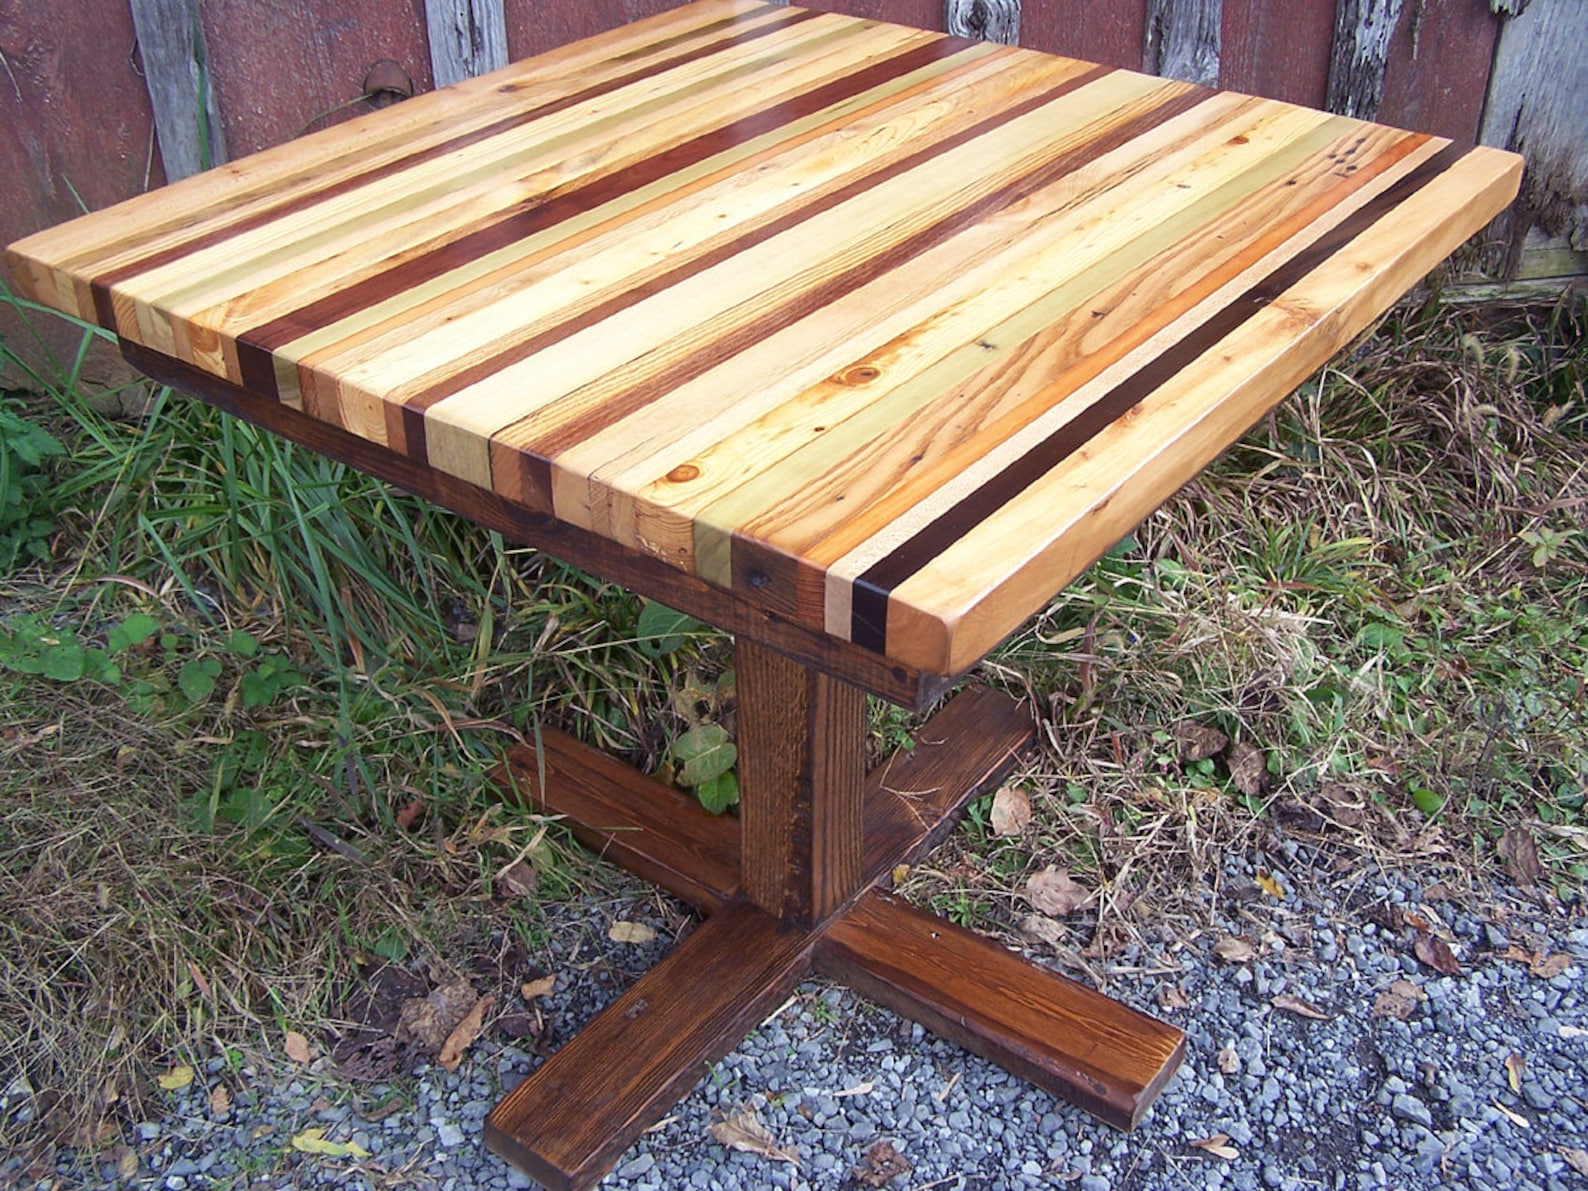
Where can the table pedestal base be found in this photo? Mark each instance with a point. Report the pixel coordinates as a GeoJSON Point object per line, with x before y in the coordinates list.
{"type": "Point", "coordinates": [571, 1120]}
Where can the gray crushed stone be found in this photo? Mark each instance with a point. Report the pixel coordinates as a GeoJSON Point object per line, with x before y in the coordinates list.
{"type": "Point", "coordinates": [1359, 1100]}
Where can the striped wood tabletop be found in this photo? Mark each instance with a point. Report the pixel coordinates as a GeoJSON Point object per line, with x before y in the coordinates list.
{"type": "Point", "coordinates": [889, 332]}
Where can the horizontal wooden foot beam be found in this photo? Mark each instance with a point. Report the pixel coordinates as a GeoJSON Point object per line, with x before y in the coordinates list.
{"type": "Point", "coordinates": [1083, 1047]}
{"type": "Point", "coordinates": [569, 1122]}
{"type": "Point", "coordinates": [654, 831]}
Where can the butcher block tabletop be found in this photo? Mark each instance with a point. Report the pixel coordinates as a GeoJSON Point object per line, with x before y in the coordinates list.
{"type": "Point", "coordinates": [889, 332]}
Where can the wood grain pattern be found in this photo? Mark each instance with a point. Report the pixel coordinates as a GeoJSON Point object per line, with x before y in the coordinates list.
{"type": "Point", "coordinates": [1072, 1040]}
{"type": "Point", "coordinates": [802, 741]}
{"type": "Point", "coordinates": [885, 332]}
{"type": "Point", "coordinates": [171, 44]}
{"type": "Point", "coordinates": [571, 1119]}
{"type": "Point", "coordinates": [652, 830]}
{"type": "Point", "coordinates": [467, 37]}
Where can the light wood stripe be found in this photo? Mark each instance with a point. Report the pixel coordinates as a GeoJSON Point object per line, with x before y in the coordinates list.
{"type": "Point", "coordinates": [886, 332]}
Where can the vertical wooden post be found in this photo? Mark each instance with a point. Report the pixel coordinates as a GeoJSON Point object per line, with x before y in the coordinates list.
{"type": "Point", "coordinates": [1184, 40]}
{"type": "Point", "coordinates": [985, 20]}
{"type": "Point", "coordinates": [802, 745]}
{"type": "Point", "coordinates": [171, 44]}
{"type": "Point", "coordinates": [1362, 32]}
{"type": "Point", "coordinates": [467, 37]}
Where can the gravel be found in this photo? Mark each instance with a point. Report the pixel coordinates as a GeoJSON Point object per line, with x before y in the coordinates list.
{"type": "Point", "coordinates": [1361, 1099]}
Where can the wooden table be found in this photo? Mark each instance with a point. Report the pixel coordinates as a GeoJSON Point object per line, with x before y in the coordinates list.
{"type": "Point", "coordinates": [856, 341]}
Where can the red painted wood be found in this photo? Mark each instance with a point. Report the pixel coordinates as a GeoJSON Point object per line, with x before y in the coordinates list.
{"type": "Point", "coordinates": [1438, 70]}
{"type": "Point", "coordinates": [1278, 50]}
{"type": "Point", "coordinates": [921, 14]}
{"type": "Point", "coordinates": [533, 26]}
{"type": "Point", "coordinates": [279, 67]}
{"type": "Point", "coordinates": [1109, 33]}
{"type": "Point", "coordinates": [74, 113]}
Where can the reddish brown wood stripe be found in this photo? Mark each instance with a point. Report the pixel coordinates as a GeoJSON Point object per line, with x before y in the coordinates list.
{"type": "Point", "coordinates": [872, 589]}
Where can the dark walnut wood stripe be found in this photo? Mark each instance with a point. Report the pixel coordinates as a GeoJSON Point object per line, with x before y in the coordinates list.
{"type": "Point", "coordinates": [869, 626]}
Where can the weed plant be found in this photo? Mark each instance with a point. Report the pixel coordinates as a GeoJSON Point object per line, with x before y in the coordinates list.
{"type": "Point", "coordinates": [248, 697]}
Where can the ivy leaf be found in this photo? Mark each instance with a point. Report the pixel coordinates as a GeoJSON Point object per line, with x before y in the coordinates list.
{"type": "Point", "coordinates": [702, 754]}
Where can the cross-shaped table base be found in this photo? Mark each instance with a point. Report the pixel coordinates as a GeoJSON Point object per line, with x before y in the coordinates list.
{"type": "Point", "coordinates": [785, 901]}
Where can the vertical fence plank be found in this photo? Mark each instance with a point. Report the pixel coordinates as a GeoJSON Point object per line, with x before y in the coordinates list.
{"type": "Point", "coordinates": [1538, 105]}
{"type": "Point", "coordinates": [1183, 39]}
{"type": "Point", "coordinates": [984, 20]}
{"type": "Point", "coordinates": [171, 44]}
{"type": "Point", "coordinates": [467, 37]}
{"type": "Point", "coordinates": [1362, 33]}
{"type": "Point", "coordinates": [1438, 69]}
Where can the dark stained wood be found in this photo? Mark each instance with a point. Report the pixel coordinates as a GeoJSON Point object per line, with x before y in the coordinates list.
{"type": "Point", "coordinates": [281, 69]}
{"type": "Point", "coordinates": [650, 829]}
{"type": "Point", "coordinates": [1072, 1040]}
{"type": "Point", "coordinates": [914, 798]}
{"type": "Point", "coordinates": [1437, 73]}
{"type": "Point", "coordinates": [1112, 33]}
{"type": "Point", "coordinates": [640, 573]}
{"type": "Point", "coordinates": [74, 116]}
{"type": "Point", "coordinates": [570, 1121]}
{"type": "Point", "coordinates": [1278, 50]}
{"type": "Point", "coordinates": [802, 739]}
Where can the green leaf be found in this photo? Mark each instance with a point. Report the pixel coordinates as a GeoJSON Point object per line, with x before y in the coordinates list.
{"type": "Point", "coordinates": [135, 630]}
{"type": "Point", "coordinates": [719, 793]}
{"type": "Point", "coordinates": [197, 678]}
{"type": "Point", "coordinates": [662, 630]}
{"type": "Point", "coordinates": [1427, 801]}
{"type": "Point", "coordinates": [702, 754]}
{"type": "Point", "coordinates": [63, 662]}
{"type": "Point", "coordinates": [244, 645]}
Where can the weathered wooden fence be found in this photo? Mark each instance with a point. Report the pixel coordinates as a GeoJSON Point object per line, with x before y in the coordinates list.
{"type": "Point", "coordinates": [101, 99]}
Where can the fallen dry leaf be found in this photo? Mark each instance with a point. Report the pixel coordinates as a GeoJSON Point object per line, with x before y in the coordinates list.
{"type": "Point", "coordinates": [1335, 801]}
{"type": "Point", "coordinates": [1198, 742]}
{"type": "Point", "coordinates": [1520, 853]}
{"type": "Point", "coordinates": [1218, 1145]}
{"type": "Point", "coordinates": [1044, 929]}
{"type": "Point", "coordinates": [1270, 884]}
{"type": "Point", "coordinates": [1575, 1158]}
{"type": "Point", "coordinates": [126, 1160]}
{"type": "Point", "coordinates": [1439, 892]}
{"type": "Point", "coordinates": [463, 1036]}
{"type": "Point", "coordinates": [1436, 953]}
{"type": "Point", "coordinates": [1248, 768]}
{"type": "Point", "coordinates": [1011, 811]}
{"type": "Point", "coordinates": [1229, 1061]}
{"type": "Point", "coordinates": [297, 1047]}
{"type": "Point", "coordinates": [312, 1141]}
{"type": "Point", "coordinates": [1399, 1000]}
{"type": "Point", "coordinates": [220, 1102]}
{"type": "Point", "coordinates": [901, 873]}
{"type": "Point", "coordinates": [1234, 949]}
{"type": "Point", "coordinates": [1172, 996]}
{"type": "Point", "coordinates": [881, 1164]}
{"type": "Point", "coordinates": [1300, 1007]}
{"type": "Point", "coordinates": [543, 987]}
{"type": "Point", "coordinates": [429, 1020]}
{"type": "Point", "coordinates": [1515, 1118]}
{"type": "Point", "coordinates": [1515, 1068]}
{"type": "Point", "coordinates": [631, 932]}
{"type": "Point", "coordinates": [1053, 891]}
{"type": "Point", "coordinates": [1547, 967]}
{"type": "Point", "coordinates": [744, 1131]}
{"type": "Point", "coordinates": [175, 1079]}
{"type": "Point", "coordinates": [410, 812]}
{"type": "Point", "coordinates": [517, 880]}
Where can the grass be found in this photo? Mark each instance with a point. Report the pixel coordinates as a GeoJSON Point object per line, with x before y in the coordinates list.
{"type": "Point", "coordinates": [247, 698]}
